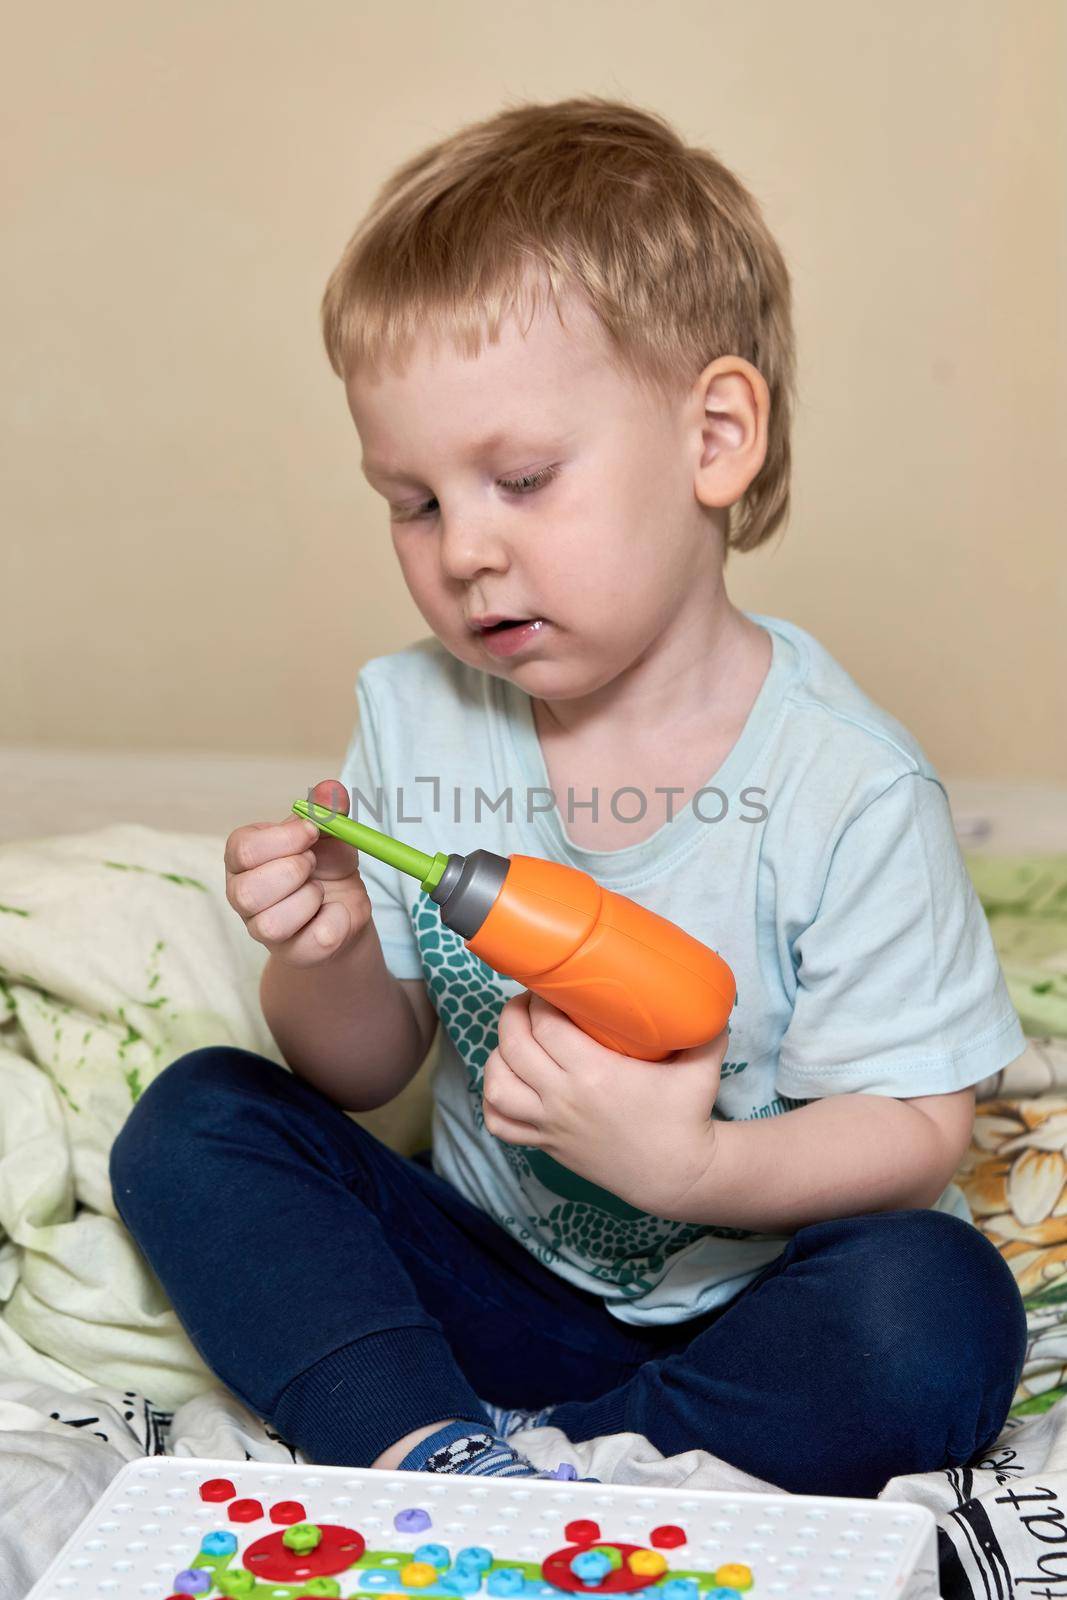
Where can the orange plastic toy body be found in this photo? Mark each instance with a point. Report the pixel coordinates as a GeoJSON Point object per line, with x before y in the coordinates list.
{"type": "Point", "coordinates": [632, 980]}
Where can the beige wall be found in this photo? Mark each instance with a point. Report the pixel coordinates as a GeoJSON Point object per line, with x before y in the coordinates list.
{"type": "Point", "coordinates": [190, 556]}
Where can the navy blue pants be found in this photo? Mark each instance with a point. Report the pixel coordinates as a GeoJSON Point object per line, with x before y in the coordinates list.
{"type": "Point", "coordinates": [349, 1295]}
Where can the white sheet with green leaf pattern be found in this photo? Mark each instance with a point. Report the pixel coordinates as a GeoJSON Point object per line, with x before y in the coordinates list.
{"type": "Point", "coordinates": [118, 953]}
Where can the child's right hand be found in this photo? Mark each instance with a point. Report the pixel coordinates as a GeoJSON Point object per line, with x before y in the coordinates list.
{"type": "Point", "coordinates": [301, 896]}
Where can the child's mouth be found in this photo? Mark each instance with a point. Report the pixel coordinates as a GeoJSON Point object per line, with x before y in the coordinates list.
{"type": "Point", "coordinates": [506, 638]}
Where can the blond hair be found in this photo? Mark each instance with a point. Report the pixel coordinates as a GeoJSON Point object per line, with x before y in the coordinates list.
{"type": "Point", "coordinates": [668, 247]}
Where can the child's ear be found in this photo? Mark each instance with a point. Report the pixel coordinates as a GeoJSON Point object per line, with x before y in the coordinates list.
{"type": "Point", "coordinates": [732, 406]}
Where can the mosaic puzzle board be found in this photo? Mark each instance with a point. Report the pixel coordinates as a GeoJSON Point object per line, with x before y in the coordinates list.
{"type": "Point", "coordinates": [175, 1526]}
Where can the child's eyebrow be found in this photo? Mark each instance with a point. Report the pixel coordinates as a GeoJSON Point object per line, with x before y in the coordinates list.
{"type": "Point", "coordinates": [475, 450]}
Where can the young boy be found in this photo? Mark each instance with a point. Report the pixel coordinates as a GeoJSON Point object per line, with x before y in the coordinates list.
{"type": "Point", "coordinates": [566, 345]}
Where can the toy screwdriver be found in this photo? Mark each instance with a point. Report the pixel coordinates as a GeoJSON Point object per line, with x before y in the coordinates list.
{"type": "Point", "coordinates": [626, 976]}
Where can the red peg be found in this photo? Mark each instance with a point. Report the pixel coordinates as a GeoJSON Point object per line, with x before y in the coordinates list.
{"type": "Point", "coordinates": [287, 1511]}
{"type": "Point", "coordinates": [245, 1511]}
{"type": "Point", "coordinates": [668, 1537]}
{"type": "Point", "coordinates": [582, 1531]}
{"type": "Point", "coordinates": [217, 1489]}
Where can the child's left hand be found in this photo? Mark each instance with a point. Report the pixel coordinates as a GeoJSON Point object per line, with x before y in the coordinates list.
{"type": "Point", "coordinates": [640, 1129]}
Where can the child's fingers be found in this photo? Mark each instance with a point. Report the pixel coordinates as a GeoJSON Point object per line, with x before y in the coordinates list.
{"type": "Point", "coordinates": [508, 1094]}
{"type": "Point", "coordinates": [257, 842]}
{"type": "Point", "coordinates": [527, 1058]}
{"type": "Point", "coordinates": [541, 1040]}
{"type": "Point", "coordinates": [258, 888]}
{"type": "Point", "coordinates": [315, 940]}
{"type": "Point", "coordinates": [502, 1127]}
{"type": "Point", "coordinates": [276, 924]}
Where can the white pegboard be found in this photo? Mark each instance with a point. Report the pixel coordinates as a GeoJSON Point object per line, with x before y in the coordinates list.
{"type": "Point", "coordinates": [149, 1525]}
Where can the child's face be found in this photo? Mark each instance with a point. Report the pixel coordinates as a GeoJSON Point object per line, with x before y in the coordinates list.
{"type": "Point", "coordinates": [608, 544]}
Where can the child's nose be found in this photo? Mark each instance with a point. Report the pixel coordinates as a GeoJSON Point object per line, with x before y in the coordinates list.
{"type": "Point", "coordinates": [471, 544]}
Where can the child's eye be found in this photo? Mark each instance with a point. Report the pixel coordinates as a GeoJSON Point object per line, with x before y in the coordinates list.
{"type": "Point", "coordinates": [527, 484]}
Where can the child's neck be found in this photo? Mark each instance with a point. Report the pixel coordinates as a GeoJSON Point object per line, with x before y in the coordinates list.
{"type": "Point", "coordinates": [694, 676]}
{"type": "Point", "coordinates": [667, 726]}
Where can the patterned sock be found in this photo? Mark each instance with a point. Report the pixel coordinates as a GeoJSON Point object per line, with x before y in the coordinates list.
{"type": "Point", "coordinates": [468, 1447]}
{"type": "Point", "coordinates": [508, 1421]}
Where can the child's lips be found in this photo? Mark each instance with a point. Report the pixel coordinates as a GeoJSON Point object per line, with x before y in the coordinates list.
{"type": "Point", "coordinates": [508, 641]}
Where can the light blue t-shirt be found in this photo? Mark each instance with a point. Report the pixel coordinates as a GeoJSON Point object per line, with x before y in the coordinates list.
{"type": "Point", "coordinates": [820, 861]}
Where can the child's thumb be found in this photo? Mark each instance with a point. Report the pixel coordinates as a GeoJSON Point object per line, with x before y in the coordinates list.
{"type": "Point", "coordinates": [334, 858]}
{"type": "Point", "coordinates": [710, 1053]}
{"type": "Point", "coordinates": [332, 795]}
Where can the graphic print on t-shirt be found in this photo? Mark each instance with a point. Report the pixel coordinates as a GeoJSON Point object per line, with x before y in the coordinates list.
{"type": "Point", "coordinates": [617, 1242]}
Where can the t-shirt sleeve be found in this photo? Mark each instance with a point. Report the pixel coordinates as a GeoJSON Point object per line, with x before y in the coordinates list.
{"type": "Point", "coordinates": [362, 775]}
{"type": "Point", "coordinates": [899, 989]}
